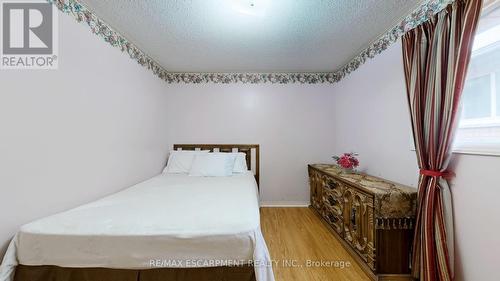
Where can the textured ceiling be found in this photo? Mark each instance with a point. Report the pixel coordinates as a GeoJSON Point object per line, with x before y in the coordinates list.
{"type": "Point", "coordinates": [234, 36]}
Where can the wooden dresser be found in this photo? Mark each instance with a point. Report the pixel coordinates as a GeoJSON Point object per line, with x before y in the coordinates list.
{"type": "Point", "coordinates": [373, 218]}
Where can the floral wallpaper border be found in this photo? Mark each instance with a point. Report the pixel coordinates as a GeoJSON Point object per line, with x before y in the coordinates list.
{"type": "Point", "coordinates": [82, 14]}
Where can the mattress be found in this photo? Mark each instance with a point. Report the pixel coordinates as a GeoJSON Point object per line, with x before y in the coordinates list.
{"type": "Point", "coordinates": [169, 221]}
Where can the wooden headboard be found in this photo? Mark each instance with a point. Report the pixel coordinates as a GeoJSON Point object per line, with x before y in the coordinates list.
{"type": "Point", "coordinates": [245, 148]}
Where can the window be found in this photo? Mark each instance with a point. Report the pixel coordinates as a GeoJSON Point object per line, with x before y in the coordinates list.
{"type": "Point", "coordinates": [479, 127]}
{"type": "Point", "coordinates": [477, 99]}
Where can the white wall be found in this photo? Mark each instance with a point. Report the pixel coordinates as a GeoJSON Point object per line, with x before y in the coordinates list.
{"type": "Point", "coordinates": [292, 124]}
{"type": "Point", "coordinates": [371, 117]}
{"type": "Point", "coordinates": [72, 135]}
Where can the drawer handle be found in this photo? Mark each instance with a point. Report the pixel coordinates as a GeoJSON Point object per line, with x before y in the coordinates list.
{"type": "Point", "coordinates": [333, 219]}
{"type": "Point", "coordinates": [332, 200]}
{"type": "Point", "coordinates": [332, 184]}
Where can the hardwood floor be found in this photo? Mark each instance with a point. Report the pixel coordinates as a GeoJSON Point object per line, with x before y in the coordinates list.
{"type": "Point", "coordinates": [298, 241]}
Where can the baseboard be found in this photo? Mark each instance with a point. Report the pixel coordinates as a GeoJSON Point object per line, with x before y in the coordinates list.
{"type": "Point", "coordinates": [284, 204]}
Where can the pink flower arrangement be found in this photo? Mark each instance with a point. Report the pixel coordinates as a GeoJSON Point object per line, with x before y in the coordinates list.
{"type": "Point", "coordinates": [347, 161]}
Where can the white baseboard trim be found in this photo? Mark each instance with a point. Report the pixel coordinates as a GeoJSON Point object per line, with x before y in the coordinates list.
{"type": "Point", "coordinates": [284, 204]}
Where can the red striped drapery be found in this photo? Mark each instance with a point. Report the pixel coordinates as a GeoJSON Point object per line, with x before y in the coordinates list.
{"type": "Point", "coordinates": [435, 56]}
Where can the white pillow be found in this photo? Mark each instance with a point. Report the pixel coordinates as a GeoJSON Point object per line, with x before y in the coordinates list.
{"type": "Point", "coordinates": [180, 161]}
{"type": "Point", "coordinates": [212, 165]}
{"type": "Point", "coordinates": [240, 162]}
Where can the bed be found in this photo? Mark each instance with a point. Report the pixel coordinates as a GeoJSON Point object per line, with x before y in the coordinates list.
{"type": "Point", "coordinates": [170, 227]}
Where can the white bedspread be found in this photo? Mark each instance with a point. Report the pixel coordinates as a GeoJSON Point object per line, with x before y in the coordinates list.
{"type": "Point", "coordinates": [167, 221]}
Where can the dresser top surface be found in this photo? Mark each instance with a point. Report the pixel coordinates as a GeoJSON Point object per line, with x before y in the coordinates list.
{"type": "Point", "coordinates": [369, 183]}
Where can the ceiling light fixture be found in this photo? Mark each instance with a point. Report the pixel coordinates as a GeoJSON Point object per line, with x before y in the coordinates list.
{"type": "Point", "coordinates": [250, 7]}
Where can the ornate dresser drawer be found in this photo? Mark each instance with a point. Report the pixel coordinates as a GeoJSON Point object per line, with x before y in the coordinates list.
{"type": "Point", "coordinates": [372, 217]}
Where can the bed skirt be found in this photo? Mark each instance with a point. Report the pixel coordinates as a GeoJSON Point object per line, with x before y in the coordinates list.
{"type": "Point", "coordinates": [55, 273]}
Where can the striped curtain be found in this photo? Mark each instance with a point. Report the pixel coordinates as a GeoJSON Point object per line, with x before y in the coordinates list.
{"type": "Point", "coordinates": [435, 56]}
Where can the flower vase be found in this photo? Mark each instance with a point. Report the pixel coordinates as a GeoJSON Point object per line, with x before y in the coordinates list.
{"type": "Point", "coordinates": [348, 171]}
{"type": "Point", "coordinates": [347, 162]}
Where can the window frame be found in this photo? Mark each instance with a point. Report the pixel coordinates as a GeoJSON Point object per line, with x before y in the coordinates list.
{"type": "Point", "coordinates": [494, 118]}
